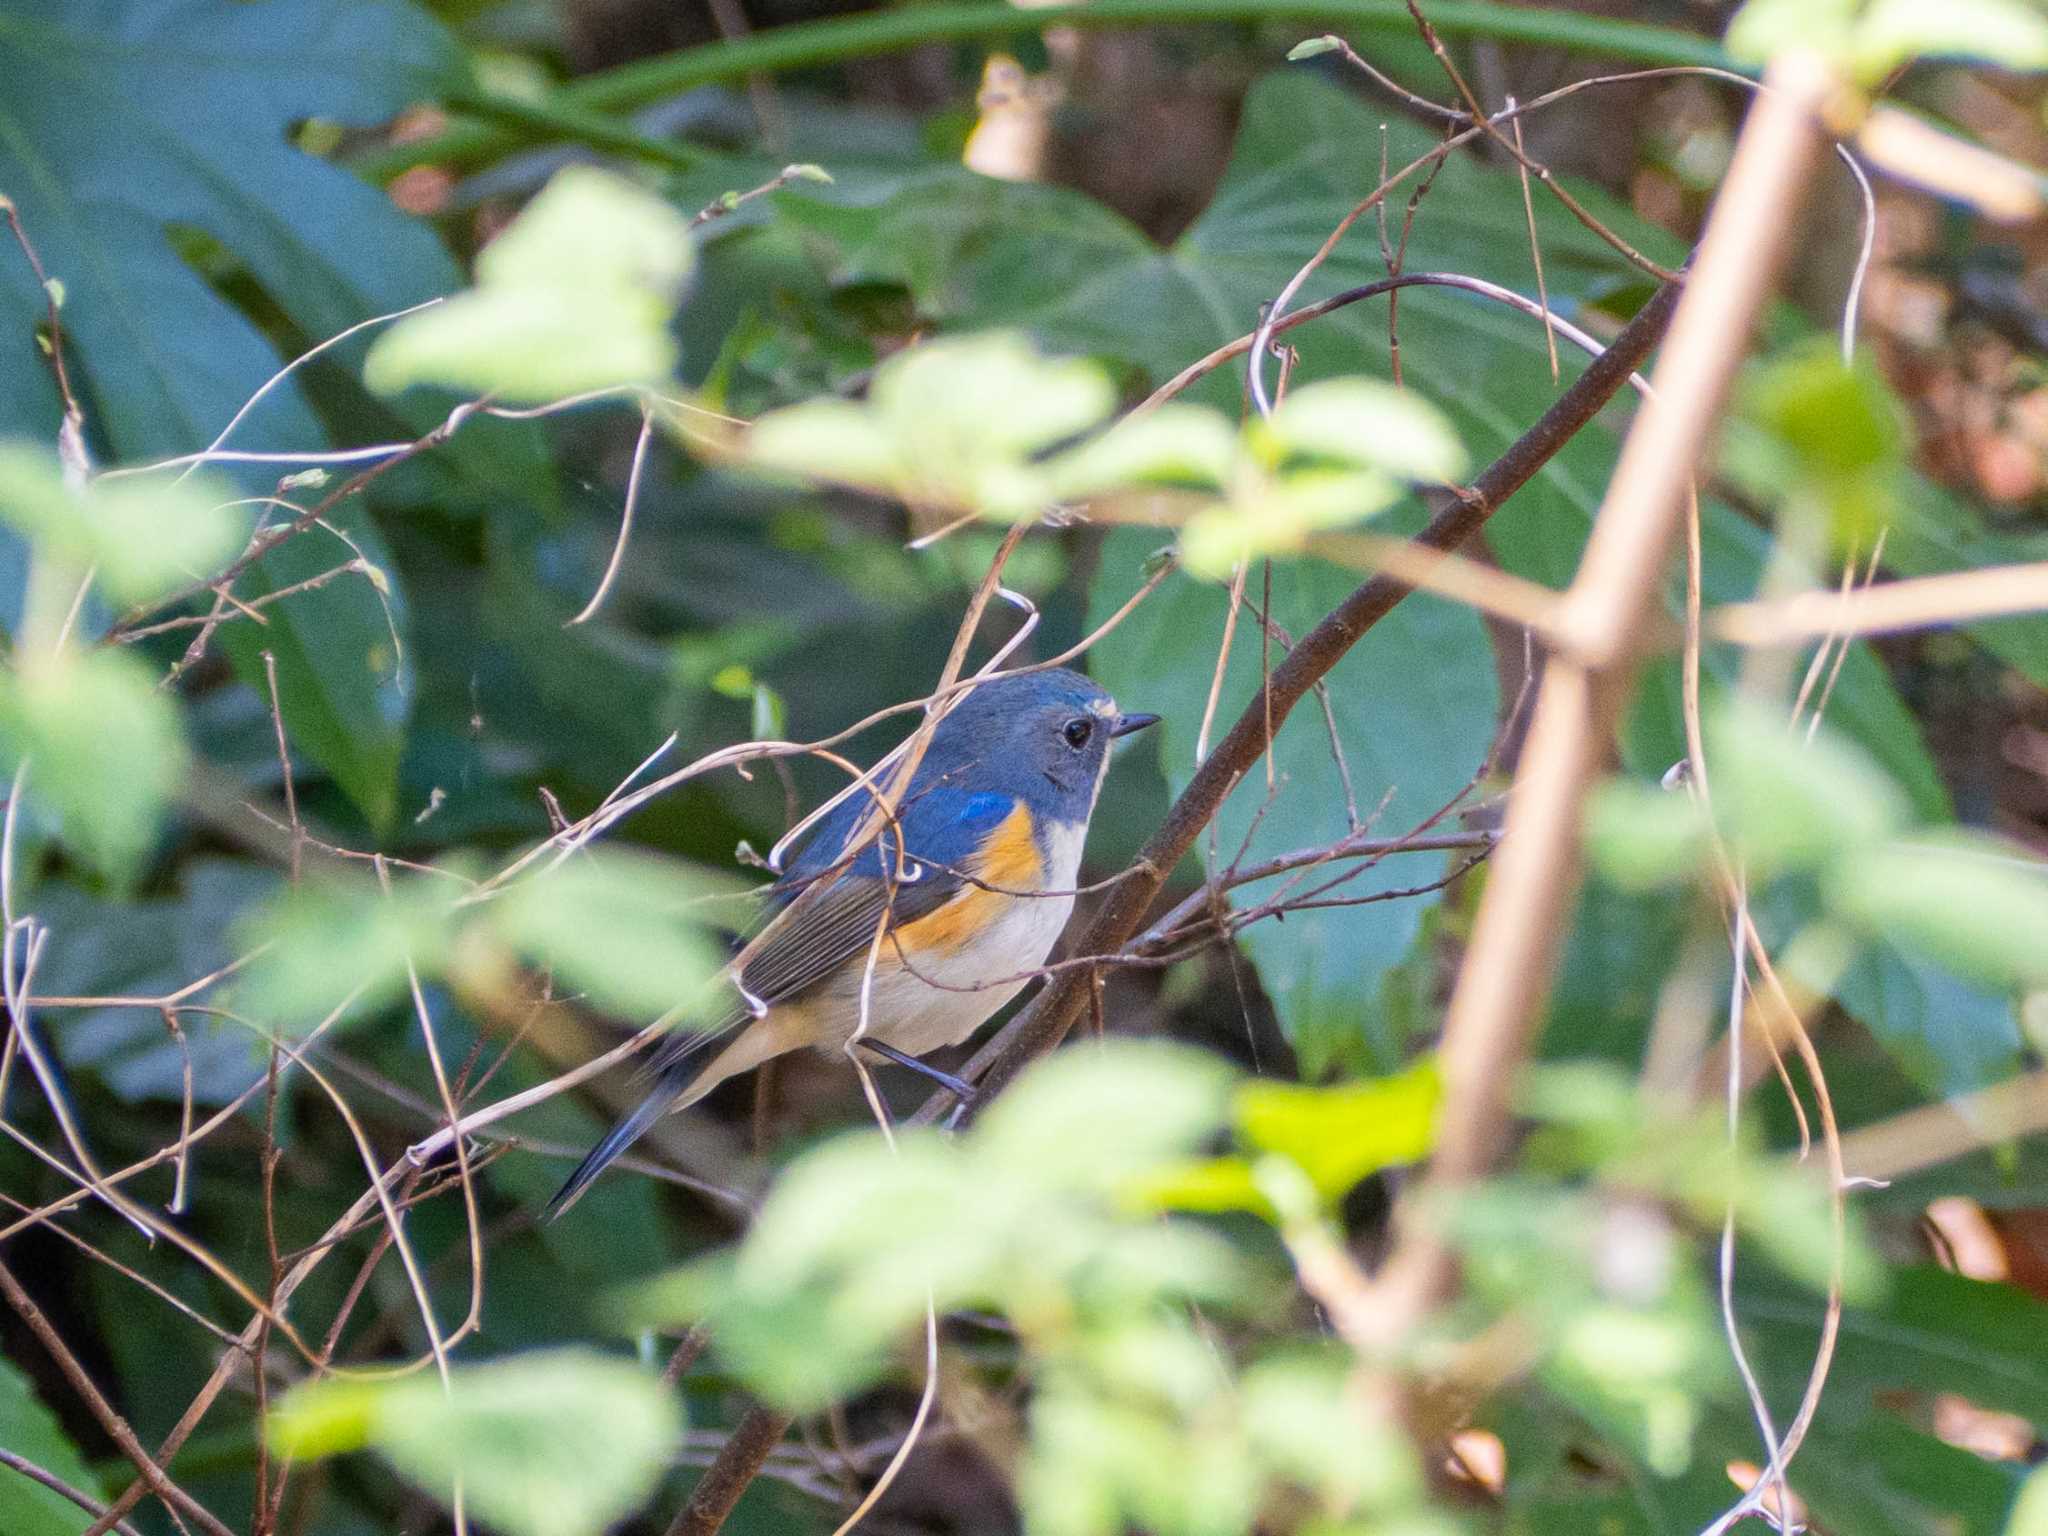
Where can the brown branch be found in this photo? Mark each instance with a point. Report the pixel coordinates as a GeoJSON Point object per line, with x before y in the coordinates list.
{"type": "Point", "coordinates": [737, 1464]}
{"type": "Point", "coordinates": [1506, 974]}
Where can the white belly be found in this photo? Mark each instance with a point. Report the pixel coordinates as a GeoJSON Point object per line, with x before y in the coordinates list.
{"type": "Point", "coordinates": [943, 997]}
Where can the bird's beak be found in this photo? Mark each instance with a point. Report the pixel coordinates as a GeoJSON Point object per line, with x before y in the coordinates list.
{"type": "Point", "coordinates": [1126, 724]}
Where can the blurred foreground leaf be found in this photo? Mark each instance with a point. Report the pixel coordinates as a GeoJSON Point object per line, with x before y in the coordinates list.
{"type": "Point", "coordinates": [556, 1443]}
{"type": "Point", "coordinates": [625, 928]}
{"type": "Point", "coordinates": [142, 536]}
{"type": "Point", "coordinates": [105, 746]}
{"type": "Point", "coordinates": [575, 295]}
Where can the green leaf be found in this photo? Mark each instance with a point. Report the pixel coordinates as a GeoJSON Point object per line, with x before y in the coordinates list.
{"type": "Point", "coordinates": [575, 295]}
{"type": "Point", "coordinates": [1820, 435]}
{"type": "Point", "coordinates": [626, 929]}
{"type": "Point", "coordinates": [344, 682]}
{"type": "Point", "coordinates": [952, 423]}
{"type": "Point", "coordinates": [105, 748]}
{"type": "Point", "coordinates": [1173, 444]}
{"type": "Point", "coordinates": [555, 1443]}
{"type": "Point", "coordinates": [102, 947]}
{"type": "Point", "coordinates": [208, 145]}
{"type": "Point", "coordinates": [1092, 1118]}
{"type": "Point", "coordinates": [1641, 836]}
{"type": "Point", "coordinates": [1975, 905]}
{"type": "Point", "coordinates": [1949, 1036]}
{"type": "Point", "coordinates": [1210, 1185]}
{"type": "Point", "coordinates": [1295, 1410]}
{"type": "Point", "coordinates": [144, 536]}
{"type": "Point", "coordinates": [31, 1431]}
{"type": "Point", "coordinates": [1415, 704]}
{"type": "Point", "coordinates": [162, 359]}
{"type": "Point", "coordinates": [1875, 39]}
{"type": "Point", "coordinates": [1935, 1331]}
{"type": "Point", "coordinates": [328, 939]}
{"type": "Point", "coordinates": [1789, 803]}
{"type": "Point", "coordinates": [2030, 1511]}
{"type": "Point", "coordinates": [1365, 422]}
{"type": "Point", "coordinates": [1277, 515]}
{"type": "Point", "coordinates": [1310, 48]}
{"type": "Point", "coordinates": [1341, 1134]}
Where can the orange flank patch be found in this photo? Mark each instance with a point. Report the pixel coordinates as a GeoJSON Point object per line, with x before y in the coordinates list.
{"type": "Point", "coordinates": [1010, 856]}
{"type": "Point", "coordinates": [1008, 859]}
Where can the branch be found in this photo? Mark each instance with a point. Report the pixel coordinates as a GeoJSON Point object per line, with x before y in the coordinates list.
{"type": "Point", "coordinates": [737, 1464]}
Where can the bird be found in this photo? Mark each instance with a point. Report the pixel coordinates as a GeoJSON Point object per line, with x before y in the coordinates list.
{"type": "Point", "coordinates": [970, 882]}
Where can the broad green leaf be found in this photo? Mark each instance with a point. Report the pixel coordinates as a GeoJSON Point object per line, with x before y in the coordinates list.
{"type": "Point", "coordinates": [344, 679]}
{"type": "Point", "coordinates": [1946, 533]}
{"type": "Point", "coordinates": [1363, 421]}
{"type": "Point", "coordinates": [1766, 27]}
{"type": "Point", "coordinates": [1974, 905]}
{"type": "Point", "coordinates": [1169, 445]}
{"type": "Point", "coordinates": [575, 295]}
{"type": "Point", "coordinates": [1414, 705]}
{"type": "Point", "coordinates": [99, 947]}
{"type": "Point", "coordinates": [208, 188]}
{"type": "Point", "coordinates": [104, 745]}
{"type": "Point", "coordinates": [626, 929]}
{"type": "Point", "coordinates": [143, 536]}
{"type": "Point", "coordinates": [1210, 1185]}
{"type": "Point", "coordinates": [829, 439]}
{"type": "Point", "coordinates": [975, 252]}
{"type": "Point", "coordinates": [556, 1443]}
{"type": "Point", "coordinates": [1948, 1035]}
{"type": "Point", "coordinates": [31, 1431]}
{"type": "Point", "coordinates": [839, 1263]}
{"type": "Point", "coordinates": [1864, 706]}
{"type": "Point", "coordinates": [1092, 1118]}
{"type": "Point", "coordinates": [1935, 1331]}
{"type": "Point", "coordinates": [952, 423]}
{"type": "Point", "coordinates": [108, 148]}
{"type": "Point", "coordinates": [1820, 437]}
{"type": "Point", "coordinates": [1278, 514]}
{"type": "Point", "coordinates": [329, 940]}
{"type": "Point", "coordinates": [1339, 1135]}
{"type": "Point", "coordinates": [1302, 1417]}
{"type": "Point", "coordinates": [1789, 803]}
{"type": "Point", "coordinates": [1641, 836]}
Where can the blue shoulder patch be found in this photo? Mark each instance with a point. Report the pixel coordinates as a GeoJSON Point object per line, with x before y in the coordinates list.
{"type": "Point", "coordinates": [943, 824]}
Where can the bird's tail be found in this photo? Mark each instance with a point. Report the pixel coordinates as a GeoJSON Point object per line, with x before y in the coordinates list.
{"type": "Point", "coordinates": [671, 1082]}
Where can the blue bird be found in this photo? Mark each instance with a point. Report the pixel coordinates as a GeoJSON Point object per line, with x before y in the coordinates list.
{"type": "Point", "coordinates": [972, 896]}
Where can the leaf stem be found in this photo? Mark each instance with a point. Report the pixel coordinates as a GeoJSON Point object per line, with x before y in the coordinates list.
{"type": "Point", "coordinates": [571, 113]}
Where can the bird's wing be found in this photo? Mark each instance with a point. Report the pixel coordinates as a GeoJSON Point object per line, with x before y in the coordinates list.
{"type": "Point", "coordinates": [943, 829]}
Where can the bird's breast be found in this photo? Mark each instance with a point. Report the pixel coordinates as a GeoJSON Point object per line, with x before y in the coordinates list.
{"type": "Point", "coordinates": [956, 963]}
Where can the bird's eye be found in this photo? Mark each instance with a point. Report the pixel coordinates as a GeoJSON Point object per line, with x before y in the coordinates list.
{"type": "Point", "coordinates": [1077, 731]}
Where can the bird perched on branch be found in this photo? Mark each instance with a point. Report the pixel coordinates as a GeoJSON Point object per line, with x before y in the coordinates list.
{"type": "Point", "coordinates": [903, 932]}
